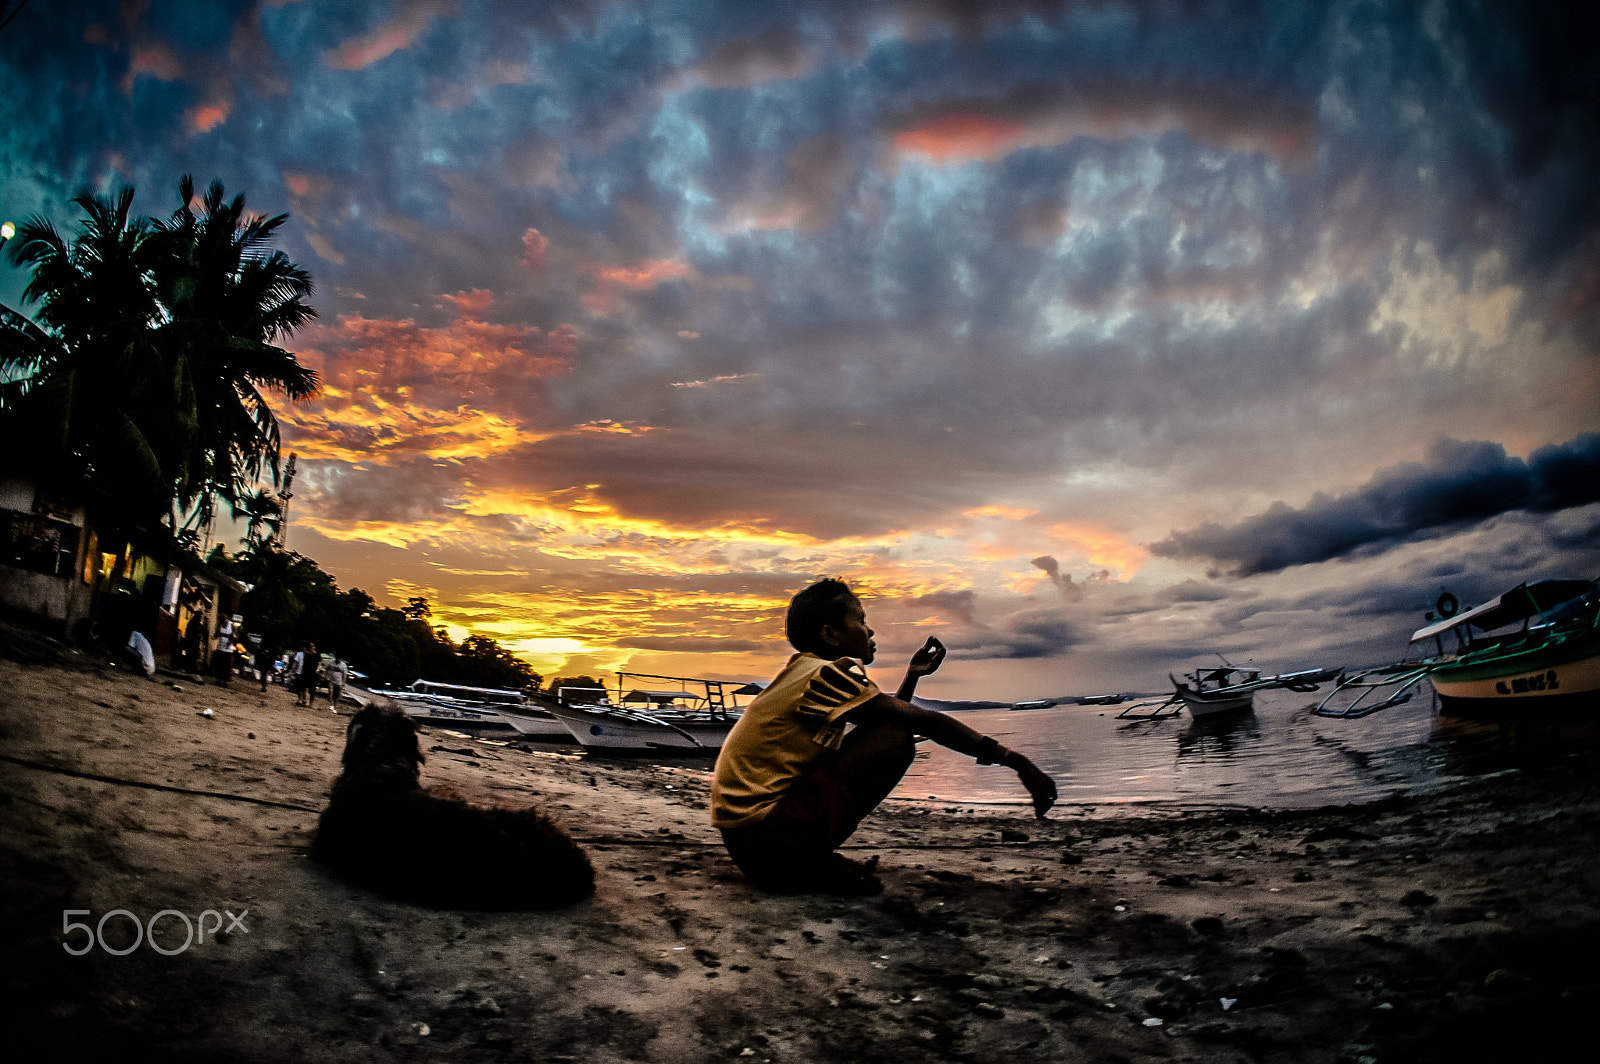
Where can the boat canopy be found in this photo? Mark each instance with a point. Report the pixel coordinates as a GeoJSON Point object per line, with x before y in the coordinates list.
{"type": "Point", "coordinates": [640, 695]}
{"type": "Point", "coordinates": [1518, 604]}
{"type": "Point", "coordinates": [1247, 674]}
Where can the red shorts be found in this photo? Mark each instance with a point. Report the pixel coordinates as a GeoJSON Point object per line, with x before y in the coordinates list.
{"type": "Point", "coordinates": [815, 815]}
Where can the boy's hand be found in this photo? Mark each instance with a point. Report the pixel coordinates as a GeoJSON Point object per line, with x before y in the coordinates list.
{"type": "Point", "coordinates": [926, 661]}
{"type": "Point", "coordinates": [1041, 787]}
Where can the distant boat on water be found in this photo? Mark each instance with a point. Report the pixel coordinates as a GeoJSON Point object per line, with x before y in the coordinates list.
{"type": "Point", "coordinates": [1225, 689]}
{"type": "Point", "coordinates": [1037, 703]}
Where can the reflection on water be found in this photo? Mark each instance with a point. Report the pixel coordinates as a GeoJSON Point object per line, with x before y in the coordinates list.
{"type": "Point", "coordinates": [1473, 746]}
{"type": "Point", "coordinates": [1278, 756]}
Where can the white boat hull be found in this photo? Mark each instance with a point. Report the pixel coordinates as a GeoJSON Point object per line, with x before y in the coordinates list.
{"type": "Point", "coordinates": [440, 712]}
{"type": "Point", "coordinates": [602, 729]}
{"type": "Point", "coordinates": [1201, 705]}
{"type": "Point", "coordinates": [454, 716]}
{"type": "Point", "coordinates": [535, 724]}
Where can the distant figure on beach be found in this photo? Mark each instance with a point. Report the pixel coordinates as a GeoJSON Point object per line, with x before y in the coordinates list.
{"type": "Point", "coordinates": [138, 654]}
{"type": "Point", "coordinates": [193, 637]}
{"type": "Point", "coordinates": [306, 664]}
{"type": "Point", "coordinates": [792, 784]}
{"type": "Point", "coordinates": [265, 656]}
{"type": "Point", "coordinates": [222, 656]}
{"type": "Point", "coordinates": [338, 675]}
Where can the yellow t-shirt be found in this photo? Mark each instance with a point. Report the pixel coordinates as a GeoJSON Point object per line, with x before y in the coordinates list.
{"type": "Point", "coordinates": [782, 733]}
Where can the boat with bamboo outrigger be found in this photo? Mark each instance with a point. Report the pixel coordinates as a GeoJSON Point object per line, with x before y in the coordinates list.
{"type": "Point", "coordinates": [469, 708]}
{"type": "Point", "coordinates": [693, 716]}
{"type": "Point", "coordinates": [1225, 689]}
{"type": "Point", "coordinates": [1536, 646]}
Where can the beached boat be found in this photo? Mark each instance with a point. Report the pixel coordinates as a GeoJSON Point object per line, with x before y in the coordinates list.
{"type": "Point", "coordinates": [1536, 646]}
{"type": "Point", "coordinates": [694, 717]}
{"type": "Point", "coordinates": [535, 722]}
{"type": "Point", "coordinates": [1225, 689]}
{"type": "Point", "coordinates": [448, 705]}
{"type": "Point", "coordinates": [445, 712]}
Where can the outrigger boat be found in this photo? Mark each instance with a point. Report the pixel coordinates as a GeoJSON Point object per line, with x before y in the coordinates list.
{"type": "Point", "coordinates": [644, 719]}
{"type": "Point", "coordinates": [1226, 689]}
{"type": "Point", "coordinates": [1537, 645]}
{"type": "Point", "coordinates": [450, 705]}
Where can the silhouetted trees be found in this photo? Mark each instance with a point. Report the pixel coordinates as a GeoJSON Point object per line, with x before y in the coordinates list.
{"type": "Point", "coordinates": [140, 386]}
{"type": "Point", "coordinates": [293, 600]}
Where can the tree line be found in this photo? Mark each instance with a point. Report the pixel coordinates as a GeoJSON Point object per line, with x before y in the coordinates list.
{"type": "Point", "coordinates": [140, 389]}
{"type": "Point", "coordinates": [293, 600]}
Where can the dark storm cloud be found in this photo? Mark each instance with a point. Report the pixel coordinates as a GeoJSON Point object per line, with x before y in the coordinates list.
{"type": "Point", "coordinates": [1038, 633]}
{"type": "Point", "coordinates": [1071, 591]}
{"type": "Point", "coordinates": [1458, 482]}
{"type": "Point", "coordinates": [960, 606]}
{"type": "Point", "coordinates": [774, 55]}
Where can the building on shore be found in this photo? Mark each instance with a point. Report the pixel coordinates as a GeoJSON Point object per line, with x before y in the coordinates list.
{"type": "Point", "coordinates": [55, 571]}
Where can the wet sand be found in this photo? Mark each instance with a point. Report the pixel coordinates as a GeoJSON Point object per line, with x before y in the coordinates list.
{"type": "Point", "coordinates": [1457, 926]}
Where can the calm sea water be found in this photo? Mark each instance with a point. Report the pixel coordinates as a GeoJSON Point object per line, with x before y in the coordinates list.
{"type": "Point", "coordinates": [1279, 756]}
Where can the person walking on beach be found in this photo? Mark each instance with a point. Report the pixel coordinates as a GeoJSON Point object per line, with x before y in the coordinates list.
{"type": "Point", "coordinates": [194, 636]}
{"type": "Point", "coordinates": [265, 656]}
{"type": "Point", "coordinates": [222, 656]}
{"type": "Point", "coordinates": [305, 677]}
{"type": "Point", "coordinates": [338, 674]}
{"type": "Point", "coordinates": [792, 784]}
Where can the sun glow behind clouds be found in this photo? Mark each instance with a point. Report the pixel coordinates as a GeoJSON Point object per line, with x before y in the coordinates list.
{"type": "Point", "coordinates": [1102, 547]}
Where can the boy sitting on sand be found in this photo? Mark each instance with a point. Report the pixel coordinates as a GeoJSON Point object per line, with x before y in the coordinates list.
{"type": "Point", "coordinates": [792, 783]}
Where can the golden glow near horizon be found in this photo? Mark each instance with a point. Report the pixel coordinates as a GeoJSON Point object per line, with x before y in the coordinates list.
{"type": "Point", "coordinates": [567, 576]}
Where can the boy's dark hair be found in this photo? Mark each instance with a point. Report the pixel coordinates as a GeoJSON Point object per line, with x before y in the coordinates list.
{"type": "Point", "coordinates": [824, 602]}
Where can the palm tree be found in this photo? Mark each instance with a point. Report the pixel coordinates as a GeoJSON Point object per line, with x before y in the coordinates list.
{"type": "Point", "coordinates": [76, 404]}
{"type": "Point", "coordinates": [227, 298]}
{"type": "Point", "coordinates": [264, 514]}
{"type": "Point", "coordinates": [141, 383]}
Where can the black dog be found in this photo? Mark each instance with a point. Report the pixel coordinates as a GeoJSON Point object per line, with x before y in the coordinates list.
{"type": "Point", "coordinates": [384, 830]}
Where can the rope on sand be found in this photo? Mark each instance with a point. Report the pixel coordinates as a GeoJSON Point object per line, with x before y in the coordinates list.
{"type": "Point", "coordinates": [1014, 844]}
{"type": "Point", "coordinates": [592, 840]}
{"type": "Point", "coordinates": [75, 774]}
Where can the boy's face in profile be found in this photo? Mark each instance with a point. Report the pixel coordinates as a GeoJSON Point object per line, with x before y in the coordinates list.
{"type": "Point", "coordinates": [851, 637]}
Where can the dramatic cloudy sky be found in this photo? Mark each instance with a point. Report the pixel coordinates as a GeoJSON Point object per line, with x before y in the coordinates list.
{"type": "Point", "coordinates": [1094, 338]}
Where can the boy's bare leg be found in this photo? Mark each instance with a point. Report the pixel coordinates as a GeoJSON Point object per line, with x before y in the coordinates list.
{"type": "Point", "coordinates": [794, 848]}
{"type": "Point", "coordinates": [873, 761]}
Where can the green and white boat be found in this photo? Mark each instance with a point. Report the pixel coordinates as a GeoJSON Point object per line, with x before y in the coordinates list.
{"type": "Point", "coordinates": [1535, 646]}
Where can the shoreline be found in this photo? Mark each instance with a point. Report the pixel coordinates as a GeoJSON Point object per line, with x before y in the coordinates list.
{"type": "Point", "coordinates": [1450, 925]}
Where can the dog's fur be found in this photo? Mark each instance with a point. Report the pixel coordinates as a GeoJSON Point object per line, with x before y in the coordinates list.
{"type": "Point", "coordinates": [384, 830]}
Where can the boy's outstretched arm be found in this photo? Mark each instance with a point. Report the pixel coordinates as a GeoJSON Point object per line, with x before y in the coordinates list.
{"type": "Point", "coordinates": [947, 731]}
{"type": "Point", "coordinates": [925, 662]}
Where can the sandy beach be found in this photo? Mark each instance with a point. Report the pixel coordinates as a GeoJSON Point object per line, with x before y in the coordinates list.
{"type": "Point", "coordinates": [1457, 926]}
